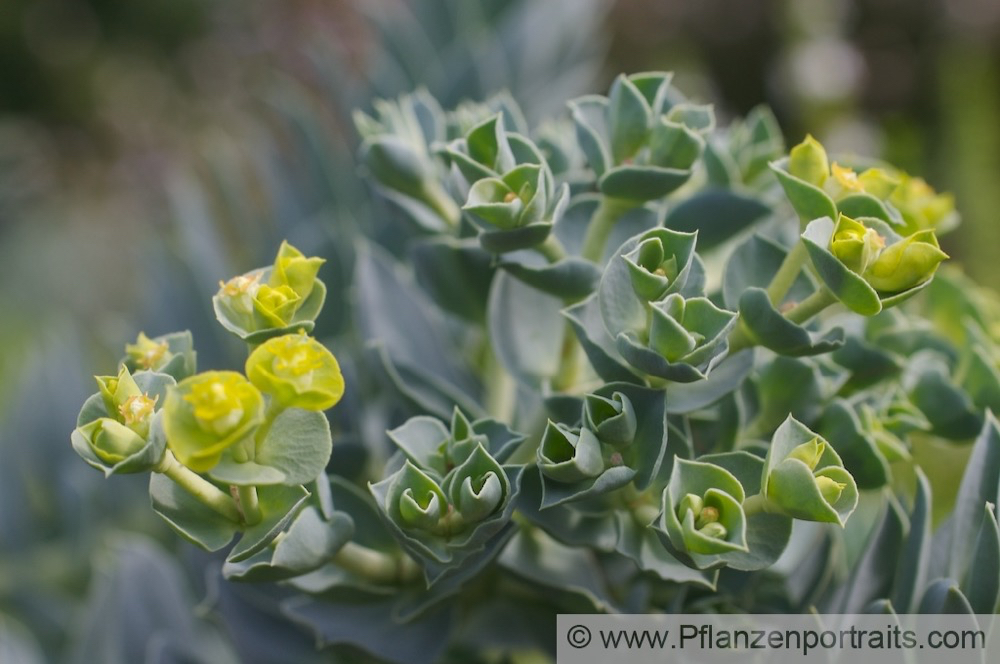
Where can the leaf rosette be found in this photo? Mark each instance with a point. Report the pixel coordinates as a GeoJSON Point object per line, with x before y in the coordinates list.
{"type": "Point", "coordinates": [642, 140]}
{"type": "Point", "coordinates": [209, 413]}
{"type": "Point", "coordinates": [612, 419]}
{"type": "Point", "coordinates": [272, 301]}
{"type": "Point", "coordinates": [119, 429]}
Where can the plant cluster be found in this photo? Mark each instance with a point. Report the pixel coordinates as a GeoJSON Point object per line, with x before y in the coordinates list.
{"type": "Point", "coordinates": [642, 356]}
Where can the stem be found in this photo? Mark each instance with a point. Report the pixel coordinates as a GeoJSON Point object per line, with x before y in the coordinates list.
{"type": "Point", "coordinates": [270, 414]}
{"type": "Point", "coordinates": [375, 565]}
{"type": "Point", "coordinates": [249, 505]}
{"type": "Point", "coordinates": [203, 490]}
{"type": "Point", "coordinates": [811, 306]}
{"type": "Point", "coordinates": [755, 504]}
{"type": "Point", "coordinates": [740, 338]}
{"type": "Point", "coordinates": [605, 216]}
{"type": "Point", "coordinates": [569, 361]}
{"type": "Point", "coordinates": [787, 273]}
{"type": "Point", "coordinates": [500, 388]}
{"type": "Point", "coordinates": [552, 249]}
{"type": "Point", "coordinates": [438, 200]}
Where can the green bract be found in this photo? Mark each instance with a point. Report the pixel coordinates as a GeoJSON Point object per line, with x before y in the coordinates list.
{"type": "Point", "coordinates": [119, 428]}
{"type": "Point", "coordinates": [208, 413]}
{"type": "Point", "coordinates": [702, 513]}
{"type": "Point", "coordinates": [171, 354]}
{"type": "Point", "coordinates": [297, 371]}
{"type": "Point", "coordinates": [567, 456]}
{"type": "Point", "coordinates": [805, 478]}
{"type": "Point", "coordinates": [272, 301]}
{"type": "Point", "coordinates": [906, 263]}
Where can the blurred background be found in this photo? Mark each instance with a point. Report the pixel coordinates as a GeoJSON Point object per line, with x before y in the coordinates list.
{"type": "Point", "coordinates": [149, 149]}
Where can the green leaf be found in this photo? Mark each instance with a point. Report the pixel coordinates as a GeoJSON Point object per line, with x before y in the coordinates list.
{"type": "Point", "coordinates": [629, 117]}
{"type": "Point", "coordinates": [641, 183]}
{"type": "Point", "coordinates": [599, 347]}
{"type": "Point", "coordinates": [556, 493]}
{"type": "Point", "coordinates": [981, 584]}
{"type": "Point", "coordinates": [872, 577]}
{"type": "Point", "coordinates": [456, 273]}
{"type": "Point", "coordinates": [809, 201]}
{"type": "Point", "coordinates": [848, 287]}
{"type": "Point", "coordinates": [842, 428]}
{"type": "Point", "coordinates": [526, 329]}
{"type": "Point", "coordinates": [297, 446]}
{"type": "Point", "coordinates": [717, 214]}
{"type": "Point", "coordinates": [787, 386]}
{"type": "Point", "coordinates": [979, 486]}
{"type": "Point", "coordinates": [570, 279]}
{"type": "Point", "coordinates": [947, 407]}
{"type": "Point", "coordinates": [772, 330]}
{"type": "Point", "coordinates": [647, 452]}
{"type": "Point", "coordinates": [914, 560]}
{"type": "Point", "coordinates": [752, 265]}
{"type": "Point", "coordinates": [943, 597]}
{"type": "Point", "coordinates": [191, 519]}
{"type": "Point", "coordinates": [278, 504]}
{"type": "Point", "coordinates": [864, 205]}
{"type": "Point", "coordinates": [727, 376]}
{"type": "Point", "coordinates": [421, 439]}
{"type": "Point", "coordinates": [525, 237]}
{"type": "Point", "coordinates": [642, 545]}
{"type": "Point", "coordinates": [589, 117]}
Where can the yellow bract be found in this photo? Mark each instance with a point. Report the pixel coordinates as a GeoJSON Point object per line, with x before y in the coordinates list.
{"type": "Point", "coordinates": [298, 371]}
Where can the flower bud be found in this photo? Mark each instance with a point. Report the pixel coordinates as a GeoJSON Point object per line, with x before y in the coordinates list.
{"type": "Point", "coordinates": [809, 453]}
{"type": "Point", "coordinates": [208, 413]}
{"type": "Point", "coordinates": [807, 161]}
{"type": "Point", "coordinates": [479, 497]}
{"type": "Point", "coordinates": [905, 264]}
{"type": "Point", "coordinates": [708, 515]}
{"type": "Point", "coordinates": [843, 181]}
{"type": "Point", "coordinates": [651, 270]}
{"type": "Point", "coordinates": [923, 208]}
{"type": "Point", "coordinates": [715, 530]}
{"type": "Point", "coordinates": [689, 331]}
{"type": "Point", "coordinates": [294, 270]}
{"type": "Point", "coordinates": [115, 390]}
{"type": "Point", "coordinates": [691, 502]}
{"type": "Point", "coordinates": [878, 183]}
{"type": "Point", "coordinates": [275, 306]}
{"type": "Point", "coordinates": [298, 371]}
{"type": "Point", "coordinates": [112, 441]}
{"type": "Point", "coordinates": [855, 245]}
{"type": "Point", "coordinates": [830, 489]}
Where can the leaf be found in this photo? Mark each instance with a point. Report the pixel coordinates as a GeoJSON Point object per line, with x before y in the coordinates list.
{"type": "Point", "coordinates": [191, 519]}
{"type": "Point", "coordinates": [725, 377]}
{"type": "Point", "coordinates": [642, 545]}
{"type": "Point", "coordinates": [840, 426]}
{"type": "Point", "coordinates": [278, 504]}
{"type": "Point", "coordinates": [641, 183]}
{"type": "Point", "coordinates": [772, 330]}
{"type": "Point", "coordinates": [864, 205]}
{"type": "Point", "coordinates": [647, 452]}
{"type": "Point", "coordinates": [456, 273]}
{"type": "Point", "coordinates": [525, 237]}
{"type": "Point", "coordinates": [543, 561]}
{"type": "Point", "coordinates": [851, 289]}
{"type": "Point", "coordinates": [585, 317]}
{"type": "Point", "coordinates": [629, 118]}
{"type": "Point", "coordinates": [589, 117]}
{"type": "Point", "coordinates": [753, 264]}
{"type": "Point", "coordinates": [426, 391]}
{"type": "Point", "coordinates": [914, 561]}
{"type": "Point", "coordinates": [559, 493]}
{"type": "Point", "coordinates": [717, 214]}
{"type": "Point", "coordinates": [570, 279]}
{"type": "Point", "coordinates": [526, 329]}
{"type": "Point", "coordinates": [809, 201]}
{"type": "Point", "coordinates": [981, 584]}
{"type": "Point", "coordinates": [979, 486]}
{"type": "Point", "coordinates": [873, 575]}
{"type": "Point", "coordinates": [943, 597]}
{"type": "Point", "coordinates": [366, 621]}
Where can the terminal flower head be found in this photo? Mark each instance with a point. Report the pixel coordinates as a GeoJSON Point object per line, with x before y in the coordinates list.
{"type": "Point", "coordinates": [297, 371]}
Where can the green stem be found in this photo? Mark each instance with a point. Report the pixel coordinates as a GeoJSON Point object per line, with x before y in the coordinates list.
{"type": "Point", "coordinates": [569, 361]}
{"type": "Point", "coordinates": [249, 504]}
{"type": "Point", "coordinates": [811, 306]}
{"type": "Point", "coordinates": [786, 275]}
{"type": "Point", "coordinates": [204, 491]}
{"type": "Point", "coordinates": [605, 216]}
{"type": "Point", "coordinates": [376, 565]}
{"type": "Point", "coordinates": [501, 390]}
{"type": "Point", "coordinates": [740, 338]}
{"type": "Point", "coordinates": [552, 249]}
{"type": "Point", "coordinates": [755, 504]}
{"type": "Point", "coordinates": [438, 200]}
